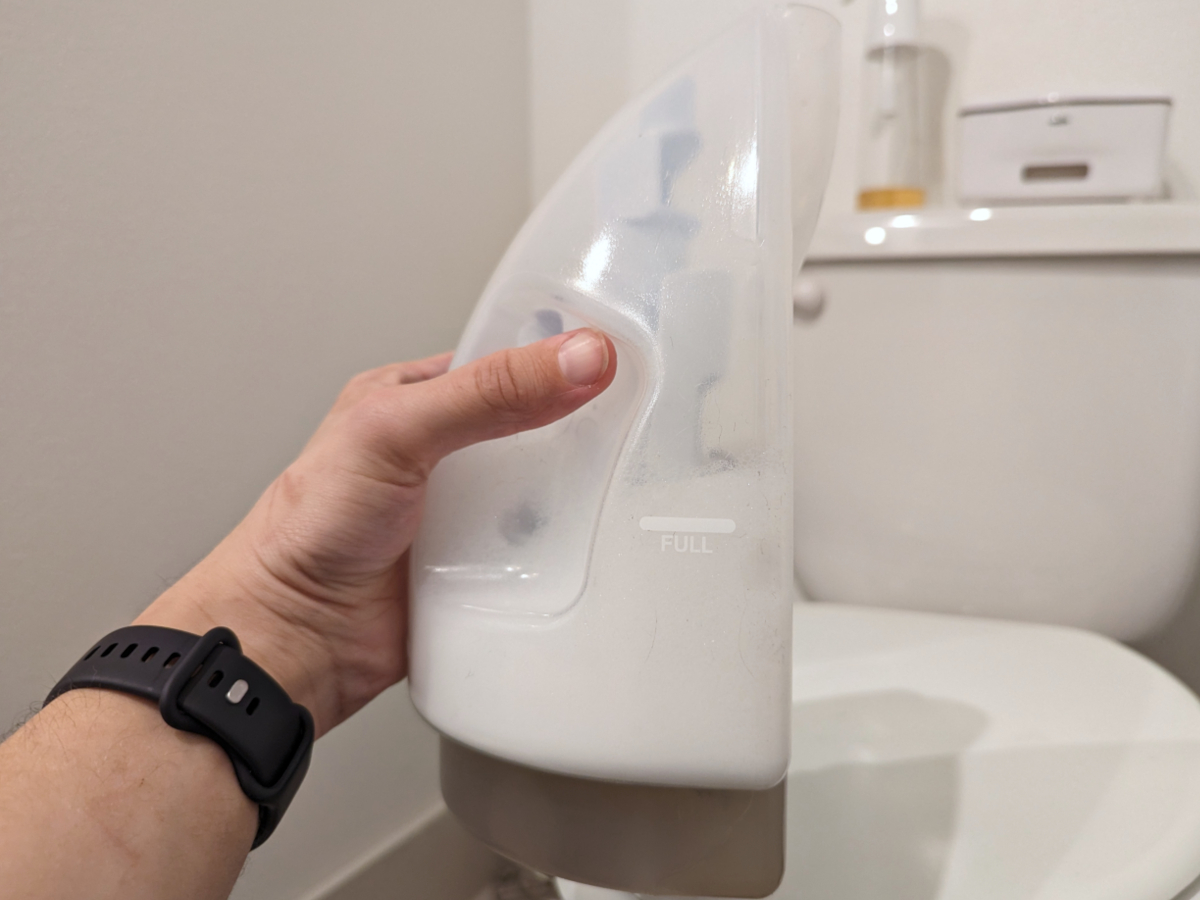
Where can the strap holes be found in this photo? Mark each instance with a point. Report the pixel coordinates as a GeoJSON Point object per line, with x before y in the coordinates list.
{"type": "Point", "coordinates": [171, 660]}
{"type": "Point", "coordinates": [216, 678]}
{"type": "Point", "coordinates": [252, 706]}
{"type": "Point", "coordinates": [125, 653]}
{"type": "Point", "coordinates": [109, 649]}
{"type": "Point", "coordinates": [149, 654]}
{"type": "Point", "coordinates": [93, 650]}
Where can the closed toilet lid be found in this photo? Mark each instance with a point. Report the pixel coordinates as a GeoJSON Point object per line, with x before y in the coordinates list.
{"type": "Point", "coordinates": [964, 759]}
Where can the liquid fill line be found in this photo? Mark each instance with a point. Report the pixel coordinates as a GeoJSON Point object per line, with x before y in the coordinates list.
{"type": "Point", "coordinates": [684, 524]}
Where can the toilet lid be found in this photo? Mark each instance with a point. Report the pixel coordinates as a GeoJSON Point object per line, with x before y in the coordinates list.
{"type": "Point", "coordinates": [965, 759]}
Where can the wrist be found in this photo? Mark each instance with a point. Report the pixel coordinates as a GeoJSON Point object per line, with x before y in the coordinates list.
{"type": "Point", "coordinates": [91, 801]}
{"type": "Point", "coordinates": [296, 657]}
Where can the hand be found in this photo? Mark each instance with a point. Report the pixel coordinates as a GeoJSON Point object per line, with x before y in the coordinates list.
{"type": "Point", "coordinates": [314, 581]}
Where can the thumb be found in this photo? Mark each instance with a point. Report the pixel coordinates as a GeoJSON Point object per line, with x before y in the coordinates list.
{"type": "Point", "coordinates": [501, 394]}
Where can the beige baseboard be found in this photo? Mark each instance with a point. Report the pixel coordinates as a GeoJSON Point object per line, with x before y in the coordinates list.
{"type": "Point", "coordinates": [436, 861]}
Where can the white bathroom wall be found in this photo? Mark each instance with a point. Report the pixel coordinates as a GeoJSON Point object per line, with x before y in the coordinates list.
{"type": "Point", "coordinates": [977, 49]}
{"type": "Point", "coordinates": [211, 215]}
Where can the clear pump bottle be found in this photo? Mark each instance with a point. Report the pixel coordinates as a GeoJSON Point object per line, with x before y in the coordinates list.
{"type": "Point", "coordinates": [890, 162]}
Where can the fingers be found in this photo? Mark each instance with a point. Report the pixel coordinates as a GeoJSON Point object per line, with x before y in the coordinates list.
{"type": "Point", "coordinates": [413, 426]}
{"type": "Point", "coordinates": [424, 369]}
{"type": "Point", "coordinates": [391, 375]}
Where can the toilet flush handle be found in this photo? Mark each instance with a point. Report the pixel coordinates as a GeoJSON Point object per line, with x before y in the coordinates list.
{"type": "Point", "coordinates": [808, 298]}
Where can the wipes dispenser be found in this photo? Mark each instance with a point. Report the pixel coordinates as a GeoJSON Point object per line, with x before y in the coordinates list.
{"type": "Point", "coordinates": [601, 608]}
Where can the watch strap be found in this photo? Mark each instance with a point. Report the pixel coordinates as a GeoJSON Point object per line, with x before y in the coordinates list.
{"type": "Point", "coordinates": [204, 685]}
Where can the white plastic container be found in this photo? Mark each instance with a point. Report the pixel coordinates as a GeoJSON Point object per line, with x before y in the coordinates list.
{"type": "Point", "coordinates": [1063, 148]}
{"type": "Point", "coordinates": [609, 597]}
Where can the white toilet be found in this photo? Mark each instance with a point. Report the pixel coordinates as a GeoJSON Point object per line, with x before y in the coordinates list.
{"type": "Point", "coordinates": [997, 417]}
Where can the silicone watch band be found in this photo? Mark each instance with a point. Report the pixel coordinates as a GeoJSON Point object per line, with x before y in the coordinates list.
{"type": "Point", "coordinates": [206, 686]}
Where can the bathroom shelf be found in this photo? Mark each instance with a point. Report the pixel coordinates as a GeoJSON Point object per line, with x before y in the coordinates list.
{"type": "Point", "coordinates": [1128, 229]}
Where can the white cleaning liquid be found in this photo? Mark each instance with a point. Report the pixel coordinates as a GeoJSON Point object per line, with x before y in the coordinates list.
{"type": "Point", "coordinates": [610, 597]}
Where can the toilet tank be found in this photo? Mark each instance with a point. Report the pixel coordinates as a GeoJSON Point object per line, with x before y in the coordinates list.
{"type": "Point", "coordinates": [998, 414]}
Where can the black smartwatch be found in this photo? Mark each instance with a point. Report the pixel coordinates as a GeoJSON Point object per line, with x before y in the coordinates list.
{"type": "Point", "coordinates": [205, 685]}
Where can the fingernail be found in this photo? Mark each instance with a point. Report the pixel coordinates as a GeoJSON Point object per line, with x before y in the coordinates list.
{"type": "Point", "coordinates": [583, 358]}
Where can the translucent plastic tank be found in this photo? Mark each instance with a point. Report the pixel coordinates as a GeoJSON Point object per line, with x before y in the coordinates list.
{"type": "Point", "coordinates": [610, 596]}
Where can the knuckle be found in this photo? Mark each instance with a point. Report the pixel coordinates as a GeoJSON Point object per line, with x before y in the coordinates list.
{"type": "Point", "coordinates": [362, 379]}
{"type": "Point", "coordinates": [369, 414]}
{"type": "Point", "coordinates": [367, 424]}
{"type": "Point", "coordinates": [357, 387]}
{"type": "Point", "coordinates": [509, 384]}
{"type": "Point", "coordinates": [291, 487]}
{"type": "Point", "coordinates": [372, 428]}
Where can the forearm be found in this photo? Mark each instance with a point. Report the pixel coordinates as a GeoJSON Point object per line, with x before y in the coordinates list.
{"type": "Point", "coordinates": [100, 798]}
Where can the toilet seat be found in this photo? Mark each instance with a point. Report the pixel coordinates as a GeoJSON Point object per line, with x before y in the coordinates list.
{"type": "Point", "coordinates": [966, 759]}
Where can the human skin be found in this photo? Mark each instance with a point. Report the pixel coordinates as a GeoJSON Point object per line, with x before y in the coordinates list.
{"type": "Point", "coordinates": [100, 798]}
